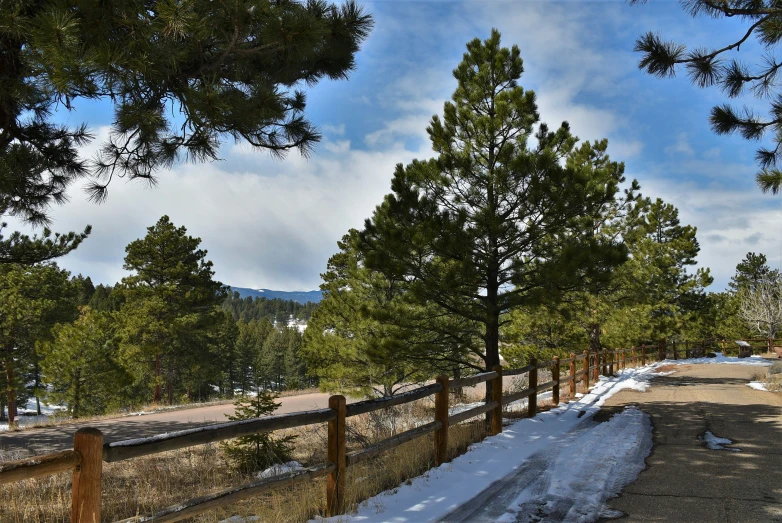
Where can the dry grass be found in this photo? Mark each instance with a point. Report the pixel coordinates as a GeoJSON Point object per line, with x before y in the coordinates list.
{"type": "Point", "coordinates": [771, 378]}
{"type": "Point", "coordinates": [144, 485]}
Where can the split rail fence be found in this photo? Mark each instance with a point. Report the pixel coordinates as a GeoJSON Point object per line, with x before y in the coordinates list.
{"type": "Point", "coordinates": [89, 451]}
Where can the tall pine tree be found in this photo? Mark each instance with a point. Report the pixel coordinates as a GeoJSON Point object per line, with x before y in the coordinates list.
{"type": "Point", "coordinates": [493, 222]}
{"type": "Point", "coordinates": [171, 306]}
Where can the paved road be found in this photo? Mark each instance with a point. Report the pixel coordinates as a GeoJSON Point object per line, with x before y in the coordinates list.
{"type": "Point", "coordinates": [60, 437]}
{"type": "Point", "coordinates": [686, 482]}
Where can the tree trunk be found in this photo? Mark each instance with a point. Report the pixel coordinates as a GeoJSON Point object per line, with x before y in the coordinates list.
{"type": "Point", "coordinates": [77, 395]}
{"type": "Point", "coordinates": [458, 392]}
{"type": "Point", "coordinates": [37, 387]}
{"type": "Point", "coordinates": [492, 339]}
{"type": "Point", "coordinates": [594, 337]}
{"type": "Point", "coordinates": [157, 398]}
{"type": "Point", "coordinates": [9, 376]}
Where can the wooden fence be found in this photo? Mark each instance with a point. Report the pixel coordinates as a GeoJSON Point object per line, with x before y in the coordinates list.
{"type": "Point", "coordinates": [89, 451]}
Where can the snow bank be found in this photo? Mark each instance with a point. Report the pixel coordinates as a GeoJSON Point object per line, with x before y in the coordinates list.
{"type": "Point", "coordinates": [443, 489]}
{"type": "Point", "coordinates": [757, 385]}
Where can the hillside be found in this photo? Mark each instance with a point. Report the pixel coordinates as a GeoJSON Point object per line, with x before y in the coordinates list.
{"type": "Point", "coordinates": [298, 296]}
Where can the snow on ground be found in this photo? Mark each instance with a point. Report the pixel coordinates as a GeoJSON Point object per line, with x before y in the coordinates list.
{"type": "Point", "coordinates": [443, 489]}
{"type": "Point", "coordinates": [280, 468]}
{"type": "Point", "coordinates": [582, 471]}
{"type": "Point", "coordinates": [757, 385]}
{"type": "Point", "coordinates": [715, 442]}
{"type": "Point", "coordinates": [721, 358]}
{"type": "Point", "coordinates": [28, 415]}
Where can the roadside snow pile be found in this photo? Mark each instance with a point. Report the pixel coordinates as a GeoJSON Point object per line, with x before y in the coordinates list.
{"type": "Point", "coordinates": [758, 385]}
{"type": "Point", "coordinates": [443, 489]}
{"type": "Point", "coordinates": [281, 468]}
{"type": "Point", "coordinates": [715, 442]}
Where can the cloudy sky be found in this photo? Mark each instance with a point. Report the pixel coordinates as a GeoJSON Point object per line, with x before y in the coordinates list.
{"type": "Point", "coordinates": [273, 224]}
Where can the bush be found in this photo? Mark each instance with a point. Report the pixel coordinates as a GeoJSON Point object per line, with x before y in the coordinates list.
{"type": "Point", "coordinates": [775, 368]}
{"type": "Point", "coordinates": [249, 454]}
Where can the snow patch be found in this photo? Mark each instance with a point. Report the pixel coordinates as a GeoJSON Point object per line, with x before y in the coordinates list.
{"type": "Point", "coordinates": [758, 385]}
{"type": "Point", "coordinates": [715, 442]}
{"type": "Point", "coordinates": [575, 486]}
{"type": "Point", "coordinates": [755, 361]}
{"type": "Point", "coordinates": [278, 469]}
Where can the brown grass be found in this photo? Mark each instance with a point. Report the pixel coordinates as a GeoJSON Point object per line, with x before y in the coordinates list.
{"type": "Point", "coordinates": [144, 485]}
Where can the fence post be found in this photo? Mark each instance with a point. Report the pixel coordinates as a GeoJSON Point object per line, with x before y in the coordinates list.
{"type": "Point", "coordinates": [771, 345]}
{"type": "Point", "coordinates": [661, 350]}
{"type": "Point", "coordinates": [612, 363]}
{"type": "Point", "coordinates": [441, 415]}
{"type": "Point", "coordinates": [555, 377]}
{"type": "Point", "coordinates": [675, 356]}
{"type": "Point", "coordinates": [723, 346]}
{"type": "Point", "coordinates": [643, 354]}
{"type": "Point", "coordinates": [632, 356]}
{"type": "Point", "coordinates": [335, 484]}
{"type": "Point", "coordinates": [572, 375]}
{"type": "Point", "coordinates": [496, 395]}
{"type": "Point", "coordinates": [86, 485]}
{"type": "Point", "coordinates": [532, 404]}
{"type": "Point", "coordinates": [596, 370]}
{"type": "Point", "coordinates": [585, 377]}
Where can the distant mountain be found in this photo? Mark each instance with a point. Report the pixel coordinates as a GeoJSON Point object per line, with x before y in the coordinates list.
{"type": "Point", "coordinates": [302, 297]}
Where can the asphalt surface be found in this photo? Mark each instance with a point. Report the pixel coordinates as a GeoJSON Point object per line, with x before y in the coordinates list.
{"type": "Point", "coordinates": [686, 482]}
{"type": "Point", "coordinates": [60, 437]}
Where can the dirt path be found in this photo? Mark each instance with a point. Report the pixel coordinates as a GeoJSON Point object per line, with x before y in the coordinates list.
{"type": "Point", "coordinates": [685, 481]}
{"type": "Point", "coordinates": [50, 439]}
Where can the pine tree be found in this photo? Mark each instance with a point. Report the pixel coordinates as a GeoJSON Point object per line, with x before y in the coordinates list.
{"type": "Point", "coordinates": [228, 70]}
{"type": "Point", "coordinates": [80, 364]}
{"type": "Point", "coordinates": [665, 292]}
{"type": "Point", "coordinates": [257, 451]}
{"type": "Point", "coordinates": [750, 272]}
{"type": "Point", "coordinates": [491, 223]}
{"type": "Point", "coordinates": [32, 300]}
{"type": "Point", "coordinates": [171, 307]}
{"type": "Point", "coordinates": [709, 67]}
{"type": "Point", "coordinates": [366, 338]}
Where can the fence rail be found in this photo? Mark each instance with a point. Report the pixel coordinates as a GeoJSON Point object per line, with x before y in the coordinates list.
{"type": "Point", "coordinates": [89, 451]}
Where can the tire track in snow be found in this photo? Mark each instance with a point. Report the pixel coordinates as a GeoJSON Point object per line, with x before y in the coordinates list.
{"type": "Point", "coordinates": [571, 479]}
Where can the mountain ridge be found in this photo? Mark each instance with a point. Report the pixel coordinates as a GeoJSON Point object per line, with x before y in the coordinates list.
{"type": "Point", "coordinates": [298, 296]}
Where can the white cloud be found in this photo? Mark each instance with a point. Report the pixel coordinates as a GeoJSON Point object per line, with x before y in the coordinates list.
{"type": "Point", "coordinates": [276, 230]}
{"type": "Point", "coordinates": [680, 147]}
{"type": "Point", "coordinates": [730, 222]}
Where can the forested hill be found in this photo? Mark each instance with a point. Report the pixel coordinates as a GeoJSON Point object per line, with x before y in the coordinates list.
{"type": "Point", "coordinates": [275, 309]}
{"type": "Point", "coordinates": [301, 297]}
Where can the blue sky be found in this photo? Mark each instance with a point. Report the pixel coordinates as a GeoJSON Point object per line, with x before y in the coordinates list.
{"type": "Point", "coordinates": [273, 224]}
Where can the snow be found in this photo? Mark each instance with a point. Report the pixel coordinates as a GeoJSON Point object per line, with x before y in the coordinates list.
{"type": "Point", "coordinates": [441, 490]}
{"type": "Point", "coordinates": [742, 343]}
{"type": "Point", "coordinates": [574, 486]}
{"type": "Point", "coordinates": [758, 385]}
{"type": "Point", "coordinates": [715, 442]}
{"type": "Point", "coordinates": [278, 469]}
{"type": "Point", "coordinates": [458, 409]}
{"type": "Point", "coordinates": [754, 361]}
{"type": "Point", "coordinates": [28, 415]}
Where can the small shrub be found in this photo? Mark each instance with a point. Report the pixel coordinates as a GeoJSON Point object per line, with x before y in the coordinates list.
{"type": "Point", "coordinates": [775, 368]}
{"type": "Point", "coordinates": [256, 452]}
